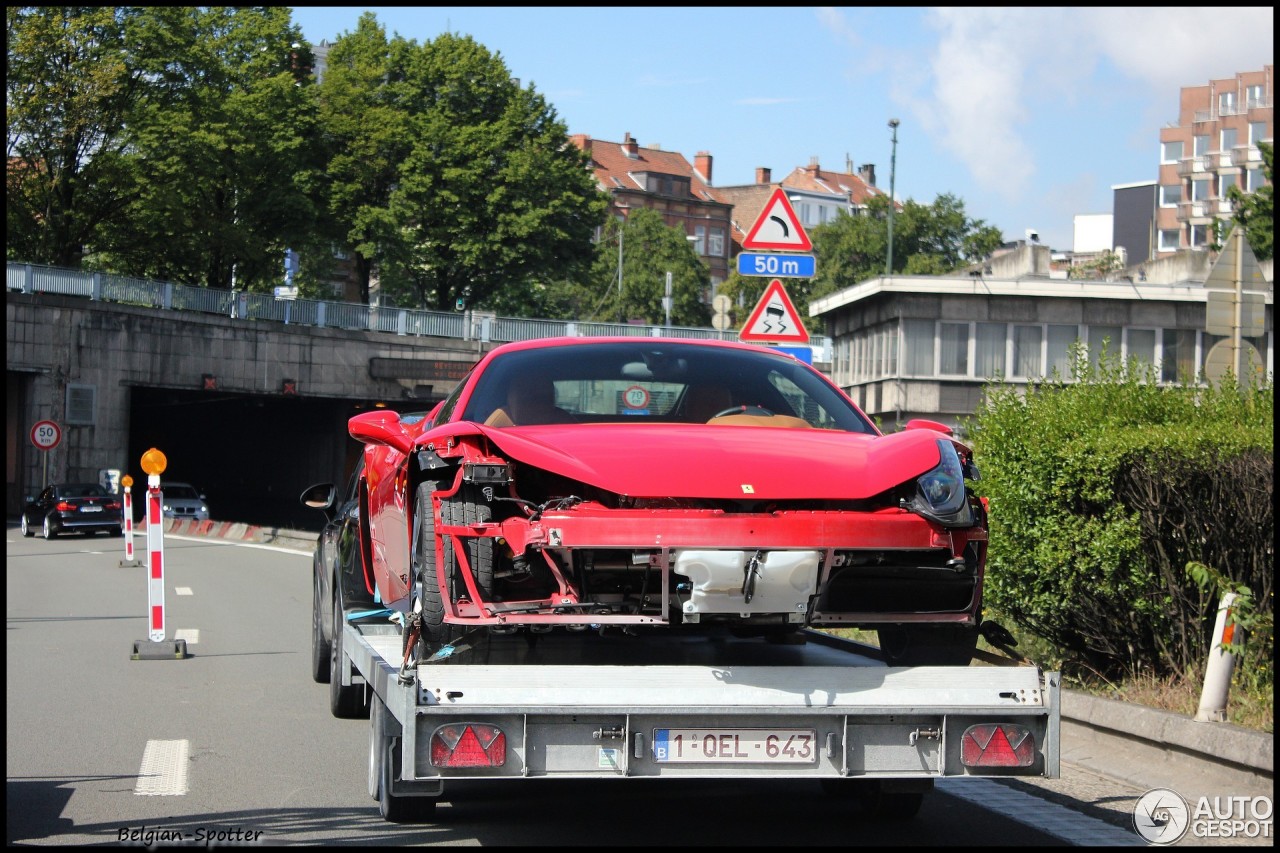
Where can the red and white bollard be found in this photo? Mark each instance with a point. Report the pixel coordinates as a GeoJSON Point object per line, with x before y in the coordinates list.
{"type": "Point", "coordinates": [156, 647]}
{"type": "Point", "coordinates": [128, 528]}
{"type": "Point", "coordinates": [155, 560]}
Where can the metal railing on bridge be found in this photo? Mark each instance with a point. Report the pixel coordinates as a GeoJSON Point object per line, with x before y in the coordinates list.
{"type": "Point", "coordinates": [470, 325]}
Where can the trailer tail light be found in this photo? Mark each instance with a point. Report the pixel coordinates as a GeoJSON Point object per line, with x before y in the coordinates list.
{"type": "Point", "coordinates": [468, 745]}
{"type": "Point", "coordinates": [997, 745]}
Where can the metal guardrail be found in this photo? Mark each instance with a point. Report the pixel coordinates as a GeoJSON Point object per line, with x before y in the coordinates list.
{"type": "Point", "coordinates": [477, 325]}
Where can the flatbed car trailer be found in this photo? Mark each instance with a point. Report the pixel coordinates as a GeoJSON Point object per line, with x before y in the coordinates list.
{"type": "Point", "coordinates": [623, 704]}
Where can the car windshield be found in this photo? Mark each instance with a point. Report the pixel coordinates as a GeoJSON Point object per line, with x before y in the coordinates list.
{"type": "Point", "coordinates": [180, 490]}
{"type": "Point", "coordinates": [662, 382]}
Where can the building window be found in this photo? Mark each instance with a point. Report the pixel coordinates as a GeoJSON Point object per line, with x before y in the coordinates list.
{"type": "Point", "coordinates": [1199, 189]}
{"type": "Point", "coordinates": [1168, 240]}
{"type": "Point", "coordinates": [1027, 346]}
{"type": "Point", "coordinates": [1253, 97]}
{"type": "Point", "coordinates": [917, 340]}
{"type": "Point", "coordinates": [1170, 152]}
{"type": "Point", "coordinates": [700, 241]}
{"type": "Point", "coordinates": [1197, 236]}
{"type": "Point", "coordinates": [1228, 138]}
{"type": "Point", "coordinates": [1226, 182]}
{"type": "Point", "coordinates": [715, 242]}
{"type": "Point", "coordinates": [1170, 195]}
{"type": "Point", "coordinates": [1257, 132]}
{"type": "Point", "coordinates": [1178, 355]}
{"type": "Point", "coordinates": [1140, 344]}
{"type": "Point", "coordinates": [1253, 179]}
{"type": "Point", "coordinates": [953, 349]}
{"type": "Point", "coordinates": [989, 350]}
{"type": "Point", "coordinates": [1058, 350]}
{"type": "Point", "coordinates": [1200, 144]}
{"type": "Point", "coordinates": [1227, 104]}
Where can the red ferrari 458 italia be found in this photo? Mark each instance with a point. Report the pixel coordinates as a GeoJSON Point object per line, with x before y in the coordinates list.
{"type": "Point", "coordinates": [668, 484]}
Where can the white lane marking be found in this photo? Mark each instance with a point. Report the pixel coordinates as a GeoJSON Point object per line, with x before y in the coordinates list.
{"type": "Point", "coordinates": [1059, 821]}
{"type": "Point", "coordinates": [191, 635]}
{"type": "Point", "coordinates": [164, 769]}
{"type": "Point", "coordinates": [211, 540]}
{"type": "Point", "coordinates": [182, 590]}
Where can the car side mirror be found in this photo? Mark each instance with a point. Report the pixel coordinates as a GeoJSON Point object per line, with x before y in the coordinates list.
{"type": "Point", "coordinates": [319, 496]}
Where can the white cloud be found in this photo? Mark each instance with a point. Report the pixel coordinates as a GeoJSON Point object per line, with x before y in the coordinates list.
{"type": "Point", "coordinates": [996, 70]}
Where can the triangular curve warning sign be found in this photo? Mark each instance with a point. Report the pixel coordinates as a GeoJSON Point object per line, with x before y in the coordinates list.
{"type": "Point", "coordinates": [774, 319]}
{"type": "Point", "coordinates": [778, 227]}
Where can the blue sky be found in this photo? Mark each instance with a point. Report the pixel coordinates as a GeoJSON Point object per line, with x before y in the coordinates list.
{"type": "Point", "coordinates": [1028, 115]}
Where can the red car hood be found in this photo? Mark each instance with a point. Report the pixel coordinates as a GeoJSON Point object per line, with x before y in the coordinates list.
{"type": "Point", "coordinates": [723, 462]}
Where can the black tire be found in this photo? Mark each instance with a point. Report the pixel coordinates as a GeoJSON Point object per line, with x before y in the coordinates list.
{"type": "Point", "coordinates": [928, 645]}
{"type": "Point", "coordinates": [320, 647]}
{"type": "Point", "coordinates": [345, 702]}
{"type": "Point", "coordinates": [26, 526]}
{"type": "Point", "coordinates": [47, 530]}
{"type": "Point", "coordinates": [466, 507]}
{"type": "Point", "coordinates": [116, 532]}
{"type": "Point", "coordinates": [384, 767]}
{"type": "Point", "coordinates": [874, 801]}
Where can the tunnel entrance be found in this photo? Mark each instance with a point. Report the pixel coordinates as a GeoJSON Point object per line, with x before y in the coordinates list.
{"type": "Point", "coordinates": [250, 455]}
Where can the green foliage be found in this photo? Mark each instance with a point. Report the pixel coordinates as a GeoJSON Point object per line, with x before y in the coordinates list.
{"type": "Point", "coordinates": [650, 249]}
{"type": "Point", "coordinates": [1256, 211]}
{"type": "Point", "coordinates": [1105, 263]}
{"type": "Point", "coordinates": [492, 194]}
{"type": "Point", "coordinates": [1102, 487]}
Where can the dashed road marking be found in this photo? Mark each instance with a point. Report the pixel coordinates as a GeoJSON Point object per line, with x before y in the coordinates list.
{"type": "Point", "coordinates": [164, 769]}
{"type": "Point", "coordinates": [191, 635]}
{"type": "Point", "coordinates": [182, 590]}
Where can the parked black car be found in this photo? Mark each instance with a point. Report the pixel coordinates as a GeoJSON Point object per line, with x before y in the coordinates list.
{"type": "Point", "coordinates": [340, 583]}
{"type": "Point", "coordinates": [73, 508]}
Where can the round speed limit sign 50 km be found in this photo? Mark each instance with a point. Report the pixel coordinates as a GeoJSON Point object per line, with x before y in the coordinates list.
{"type": "Point", "coordinates": [46, 435]}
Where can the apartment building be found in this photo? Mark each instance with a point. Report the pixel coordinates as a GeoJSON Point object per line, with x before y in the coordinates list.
{"type": "Point", "coordinates": [1213, 147]}
{"type": "Point", "coordinates": [636, 176]}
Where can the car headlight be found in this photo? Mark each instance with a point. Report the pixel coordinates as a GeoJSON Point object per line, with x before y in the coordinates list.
{"type": "Point", "coordinates": [940, 492]}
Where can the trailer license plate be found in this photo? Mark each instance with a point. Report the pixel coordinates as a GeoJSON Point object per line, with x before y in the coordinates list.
{"type": "Point", "coordinates": [734, 746]}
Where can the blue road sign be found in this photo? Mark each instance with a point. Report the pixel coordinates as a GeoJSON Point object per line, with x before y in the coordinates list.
{"type": "Point", "coordinates": [786, 266]}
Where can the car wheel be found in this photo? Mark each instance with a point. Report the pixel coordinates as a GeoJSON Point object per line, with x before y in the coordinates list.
{"type": "Point", "coordinates": [384, 767]}
{"type": "Point", "coordinates": [47, 531]}
{"type": "Point", "coordinates": [928, 645]}
{"type": "Point", "coordinates": [320, 647]}
{"type": "Point", "coordinates": [464, 508]}
{"type": "Point", "coordinates": [346, 702]}
{"type": "Point", "coordinates": [26, 526]}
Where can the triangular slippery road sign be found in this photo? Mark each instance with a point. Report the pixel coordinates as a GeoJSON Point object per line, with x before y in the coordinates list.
{"type": "Point", "coordinates": [777, 227]}
{"type": "Point", "coordinates": [774, 319]}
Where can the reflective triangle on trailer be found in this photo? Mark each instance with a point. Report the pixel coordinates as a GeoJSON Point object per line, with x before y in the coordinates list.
{"type": "Point", "coordinates": [774, 319]}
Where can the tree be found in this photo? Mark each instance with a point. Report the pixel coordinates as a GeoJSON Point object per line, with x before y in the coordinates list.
{"type": "Point", "coordinates": [1255, 211]}
{"type": "Point", "coordinates": [366, 130]}
{"type": "Point", "coordinates": [226, 146]}
{"type": "Point", "coordinates": [649, 250]}
{"type": "Point", "coordinates": [69, 93]}
{"type": "Point", "coordinates": [492, 194]}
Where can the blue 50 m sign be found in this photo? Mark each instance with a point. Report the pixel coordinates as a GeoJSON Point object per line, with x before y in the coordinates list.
{"type": "Point", "coordinates": [774, 266]}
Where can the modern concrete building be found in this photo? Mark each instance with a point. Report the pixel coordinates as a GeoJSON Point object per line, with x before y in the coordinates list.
{"type": "Point", "coordinates": [1212, 147]}
{"type": "Point", "coordinates": [924, 347]}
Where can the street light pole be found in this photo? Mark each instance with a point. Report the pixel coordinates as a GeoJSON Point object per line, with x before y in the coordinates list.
{"type": "Point", "coordinates": [893, 163]}
{"type": "Point", "coordinates": [621, 315]}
